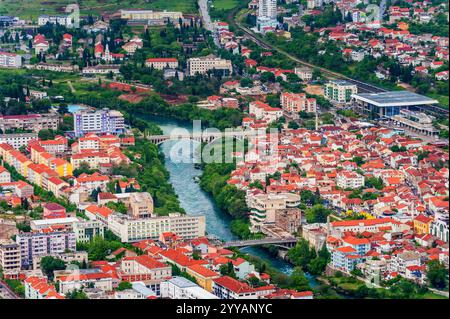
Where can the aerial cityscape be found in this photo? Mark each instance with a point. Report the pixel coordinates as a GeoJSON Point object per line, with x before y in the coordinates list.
{"type": "Point", "coordinates": [224, 149]}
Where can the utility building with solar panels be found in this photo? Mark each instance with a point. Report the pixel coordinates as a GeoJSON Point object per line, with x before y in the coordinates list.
{"type": "Point", "coordinates": [388, 104]}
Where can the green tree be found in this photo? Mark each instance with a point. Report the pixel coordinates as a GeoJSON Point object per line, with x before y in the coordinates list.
{"type": "Point", "coordinates": [49, 264]}
{"type": "Point", "coordinates": [124, 285]}
{"type": "Point", "coordinates": [437, 274]}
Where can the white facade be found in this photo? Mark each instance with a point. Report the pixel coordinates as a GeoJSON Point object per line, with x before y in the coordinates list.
{"type": "Point", "coordinates": [18, 140]}
{"type": "Point", "coordinates": [10, 60]}
{"type": "Point", "coordinates": [267, 9]}
{"type": "Point", "coordinates": [181, 288]}
{"type": "Point", "coordinates": [202, 65]}
{"type": "Point", "coordinates": [349, 180]}
{"type": "Point", "coordinates": [62, 20]}
{"type": "Point", "coordinates": [131, 230]}
{"type": "Point", "coordinates": [85, 231]}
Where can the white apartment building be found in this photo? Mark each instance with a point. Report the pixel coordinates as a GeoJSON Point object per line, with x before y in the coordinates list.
{"type": "Point", "coordinates": [40, 224]}
{"type": "Point", "coordinates": [65, 20]}
{"type": "Point", "coordinates": [32, 122]}
{"type": "Point", "coordinates": [181, 288]}
{"type": "Point", "coordinates": [85, 231]}
{"type": "Point", "coordinates": [10, 258]}
{"type": "Point", "coordinates": [305, 74]}
{"type": "Point", "coordinates": [18, 140]}
{"type": "Point", "coordinates": [131, 230]}
{"type": "Point", "coordinates": [267, 14]}
{"type": "Point", "coordinates": [10, 60]}
{"type": "Point", "coordinates": [150, 15]}
{"type": "Point", "coordinates": [267, 9]}
{"type": "Point", "coordinates": [340, 91]}
{"type": "Point", "coordinates": [103, 121]}
{"type": "Point", "coordinates": [202, 65]}
{"type": "Point", "coordinates": [162, 63]}
{"type": "Point", "coordinates": [101, 69]}
{"type": "Point", "coordinates": [346, 179]}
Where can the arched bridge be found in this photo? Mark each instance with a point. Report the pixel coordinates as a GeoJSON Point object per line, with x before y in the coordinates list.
{"type": "Point", "coordinates": [207, 137]}
{"type": "Point", "coordinates": [282, 242]}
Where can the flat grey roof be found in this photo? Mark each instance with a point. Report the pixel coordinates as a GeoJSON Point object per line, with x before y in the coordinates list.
{"type": "Point", "coordinates": [182, 282]}
{"type": "Point", "coordinates": [342, 82]}
{"type": "Point", "coordinates": [394, 98]}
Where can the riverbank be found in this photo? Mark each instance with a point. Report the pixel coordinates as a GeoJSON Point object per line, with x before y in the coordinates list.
{"type": "Point", "coordinates": [196, 201]}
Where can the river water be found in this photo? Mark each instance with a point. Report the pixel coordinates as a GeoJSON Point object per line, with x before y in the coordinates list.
{"type": "Point", "coordinates": [197, 202]}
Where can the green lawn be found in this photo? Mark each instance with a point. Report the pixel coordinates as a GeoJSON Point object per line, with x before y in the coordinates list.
{"type": "Point", "coordinates": [442, 99]}
{"type": "Point", "coordinates": [225, 4]}
{"type": "Point", "coordinates": [31, 9]}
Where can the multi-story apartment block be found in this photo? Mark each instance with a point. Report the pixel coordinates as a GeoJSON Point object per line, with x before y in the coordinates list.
{"type": "Point", "coordinates": [267, 14]}
{"type": "Point", "coordinates": [340, 91]}
{"type": "Point", "coordinates": [30, 122]}
{"type": "Point", "coordinates": [162, 63]}
{"type": "Point", "coordinates": [35, 244]}
{"type": "Point", "coordinates": [85, 231]}
{"type": "Point", "coordinates": [202, 65]}
{"type": "Point", "coordinates": [345, 258]}
{"type": "Point", "coordinates": [305, 74]}
{"type": "Point", "coordinates": [293, 103]}
{"type": "Point", "coordinates": [65, 20]}
{"type": "Point", "coordinates": [10, 258]}
{"type": "Point", "coordinates": [181, 288]}
{"type": "Point", "coordinates": [130, 229]}
{"type": "Point", "coordinates": [150, 15]}
{"type": "Point", "coordinates": [93, 159]}
{"type": "Point", "coordinates": [56, 146]}
{"type": "Point", "coordinates": [346, 179]}
{"type": "Point", "coordinates": [103, 121]}
{"type": "Point", "coordinates": [10, 60]}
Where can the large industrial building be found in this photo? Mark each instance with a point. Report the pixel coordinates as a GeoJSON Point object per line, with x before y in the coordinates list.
{"type": "Point", "coordinates": [388, 104]}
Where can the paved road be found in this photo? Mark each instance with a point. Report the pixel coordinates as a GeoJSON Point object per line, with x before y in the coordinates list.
{"type": "Point", "coordinates": [207, 23]}
{"type": "Point", "coordinates": [6, 292]}
{"type": "Point", "coordinates": [362, 86]}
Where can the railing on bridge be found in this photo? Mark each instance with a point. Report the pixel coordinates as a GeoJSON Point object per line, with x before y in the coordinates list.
{"type": "Point", "coordinates": [263, 241]}
{"type": "Point", "coordinates": [200, 137]}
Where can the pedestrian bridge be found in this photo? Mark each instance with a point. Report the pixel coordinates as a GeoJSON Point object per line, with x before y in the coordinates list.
{"type": "Point", "coordinates": [204, 137]}
{"type": "Point", "coordinates": [281, 242]}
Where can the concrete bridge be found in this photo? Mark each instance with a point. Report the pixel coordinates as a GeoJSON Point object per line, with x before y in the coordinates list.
{"type": "Point", "coordinates": [205, 137]}
{"type": "Point", "coordinates": [281, 242]}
